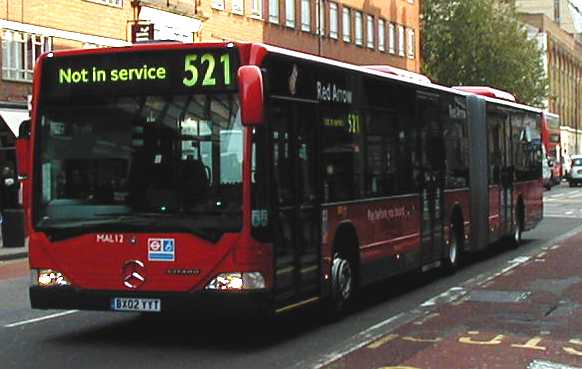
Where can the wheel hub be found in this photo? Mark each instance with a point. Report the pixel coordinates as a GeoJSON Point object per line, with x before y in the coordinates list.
{"type": "Point", "coordinates": [345, 280]}
{"type": "Point", "coordinates": [453, 252]}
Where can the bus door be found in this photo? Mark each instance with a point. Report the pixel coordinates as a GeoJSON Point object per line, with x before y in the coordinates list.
{"type": "Point", "coordinates": [296, 218]}
{"type": "Point", "coordinates": [431, 181]}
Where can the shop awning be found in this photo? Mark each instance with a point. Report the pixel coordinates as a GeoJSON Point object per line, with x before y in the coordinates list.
{"type": "Point", "coordinates": [13, 118]}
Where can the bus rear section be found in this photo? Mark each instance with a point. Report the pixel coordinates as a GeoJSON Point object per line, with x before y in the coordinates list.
{"type": "Point", "coordinates": [138, 182]}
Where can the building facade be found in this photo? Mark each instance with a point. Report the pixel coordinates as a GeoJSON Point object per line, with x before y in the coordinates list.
{"type": "Point", "coordinates": [31, 27]}
{"type": "Point", "coordinates": [562, 55]}
{"type": "Point", "coordinates": [567, 14]}
{"type": "Point", "coordinates": [356, 31]}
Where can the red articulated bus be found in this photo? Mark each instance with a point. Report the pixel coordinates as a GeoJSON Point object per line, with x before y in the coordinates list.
{"type": "Point", "coordinates": [216, 176]}
{"type": "Point", "coordinates": [552, 143]}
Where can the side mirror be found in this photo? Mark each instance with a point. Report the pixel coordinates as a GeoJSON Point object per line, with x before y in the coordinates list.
{"type": "Point", "coordinates": [250, 83]}
{"type": "Point", "coordinates": [23, 150]}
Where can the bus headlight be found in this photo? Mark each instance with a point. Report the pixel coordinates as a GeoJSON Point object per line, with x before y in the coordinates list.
{"type": "Point", "coordinates": [237, 281]}
{"type": "Point", "coordinates": [48, 278]}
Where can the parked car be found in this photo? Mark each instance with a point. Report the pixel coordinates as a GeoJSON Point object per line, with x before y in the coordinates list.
{"type": "Point", "coordinates": [575, 170]}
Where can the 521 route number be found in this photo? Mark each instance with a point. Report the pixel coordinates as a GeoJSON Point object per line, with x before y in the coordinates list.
{"type": "Point", "coordinates": [194, 64]}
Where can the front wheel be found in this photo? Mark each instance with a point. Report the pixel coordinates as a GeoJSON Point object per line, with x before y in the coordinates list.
{"type": "Point", "coordinates": [342, 286]}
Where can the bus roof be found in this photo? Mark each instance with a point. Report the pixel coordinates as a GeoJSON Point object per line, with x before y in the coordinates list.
{"type": "Point", "coordinates": [487, 91]}
{"type": "Point", "coordinates": [376, 71]}
{"type": "Point", "coordinates": [254, 54]}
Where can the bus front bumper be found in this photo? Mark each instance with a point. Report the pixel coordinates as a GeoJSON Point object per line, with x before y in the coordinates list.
{"type": "Point", "coordinates": [207, 302]}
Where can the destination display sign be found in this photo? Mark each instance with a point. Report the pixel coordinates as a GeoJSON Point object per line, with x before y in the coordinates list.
{"type": "Point", "coordinates": [140, 73]}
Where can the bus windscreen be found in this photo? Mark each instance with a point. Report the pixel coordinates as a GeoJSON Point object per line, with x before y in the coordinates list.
{"type": "Point", "coordinates": [155, 161]}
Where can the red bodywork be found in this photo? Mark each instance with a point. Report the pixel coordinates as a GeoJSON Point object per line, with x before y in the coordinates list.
{"type": "Point", "coordinates": [92, 264]}
{"type": "Point", "coordinates": [532, 194]}
{"type": "Point", "coordinates": [386, 228]}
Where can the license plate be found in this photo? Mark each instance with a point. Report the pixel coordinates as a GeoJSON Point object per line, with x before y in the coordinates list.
{"type": "Point", "coordinates": [136, 304]}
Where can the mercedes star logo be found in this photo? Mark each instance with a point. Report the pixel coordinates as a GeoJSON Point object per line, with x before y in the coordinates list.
{"type": "Point", "coordinates": [133, 273]}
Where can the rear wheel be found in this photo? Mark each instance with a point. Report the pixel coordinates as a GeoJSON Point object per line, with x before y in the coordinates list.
{"type": "Point", "coordinates": [518, 229]}
{"type": "Point", "coordinates": [452, 258]}
{"type": "Point", "coordinates": [517, 234]}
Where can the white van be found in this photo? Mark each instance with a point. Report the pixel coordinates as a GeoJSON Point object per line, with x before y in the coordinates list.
{"type": "Point", "coordinates": [575, 176]}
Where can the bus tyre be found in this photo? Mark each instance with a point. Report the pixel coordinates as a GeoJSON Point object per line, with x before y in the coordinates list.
{"type": "Point", "coordinates": [451, 262]}
{"type": "Point", "coordinates": [517, 233]}
{"type": "Point", "coordinates": [342, 286]}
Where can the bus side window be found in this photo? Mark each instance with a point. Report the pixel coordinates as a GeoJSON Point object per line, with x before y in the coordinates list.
{"type": "Point", "coordinates": [383, 154]}
{"type": "Point", "coordinates": [342, 157]}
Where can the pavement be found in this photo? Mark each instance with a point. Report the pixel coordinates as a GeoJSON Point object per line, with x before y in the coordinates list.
{"type": "Point", "coordinates": [10, 253]}
{"type": "Point", "coordinates": [527, 315]}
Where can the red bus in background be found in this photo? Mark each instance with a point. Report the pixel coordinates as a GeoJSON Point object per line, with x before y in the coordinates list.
{"type": "Point", "coordinates": [246, 177]}
{"type": "Point", "coordinates": [552, 142]}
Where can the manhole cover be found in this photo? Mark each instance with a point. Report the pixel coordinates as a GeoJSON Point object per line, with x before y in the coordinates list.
{"type": "Point", "coordinates": [498, 296]}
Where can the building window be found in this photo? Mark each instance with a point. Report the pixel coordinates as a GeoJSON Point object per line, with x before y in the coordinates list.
{"type": "Point", "coordinates": [290, 13]}
{"type": "Point", "coordinates": [358, 28]}
{"type": "Point", "coordinates": [274, 11]}
{"type": "Point", "coordinates": [346, 22]}
{"type": "Point", "coordinates": [305, 15]}
{"type": "Point", "coordinates": [217, 4]}
{"type": "Point", "coordinates": [257, 9]}
{"type": "Point", "coordinates": [320, 17]}
{"type": "Point", "coordinates": [238, 7]}
{"type": "Point", "coordinates": [401, 40]}
{"type": "Point", "coordinates": [19, 53]}
{"type": "Point", "coordinates": [391, 38]}
{"type": "Point", "coordinates": [333, 20]}
{"type": "Point", "coordinates": [115, 3]}
{"type": "Point", "coordinates": [381, 34]}
{"type": "Point", "coordinates": [370, 31]}
{"type": "Point", "coordinates": [411, 43]}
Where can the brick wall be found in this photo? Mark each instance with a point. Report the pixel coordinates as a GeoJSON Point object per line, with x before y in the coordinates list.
{"type": "Point", "coordinates": [67, 15]}
{"type": "Point", "coordinates": [70, 15]}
